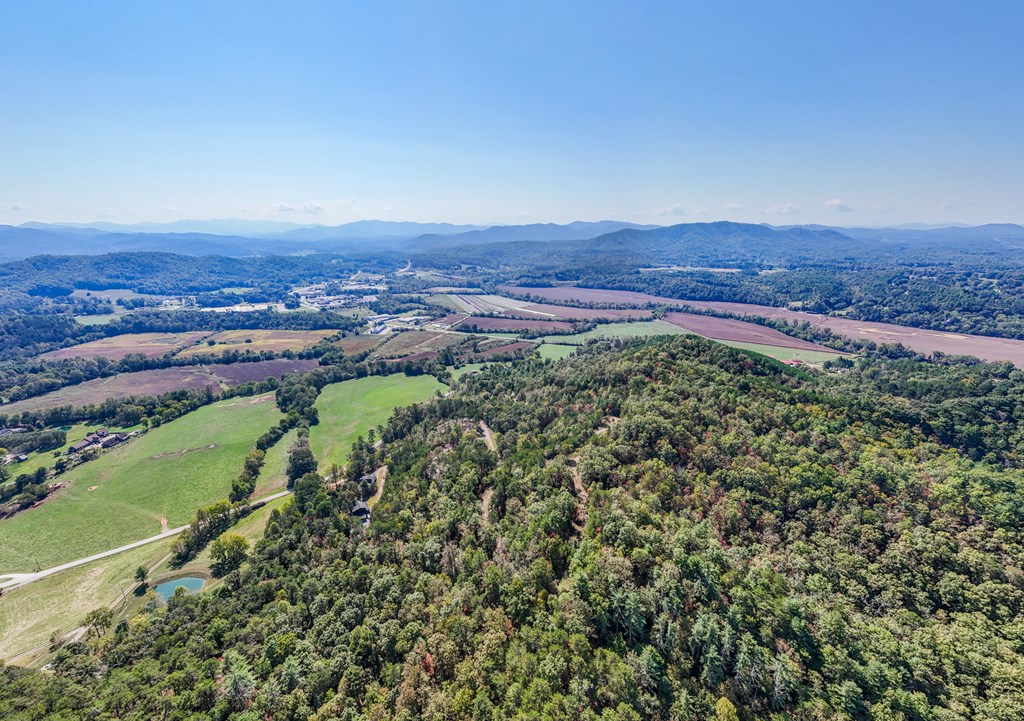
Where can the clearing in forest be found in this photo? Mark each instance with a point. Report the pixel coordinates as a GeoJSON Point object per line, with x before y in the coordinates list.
{"type": "Point", "coordinates": [116, 347]}
{"type": "Point", "coordinates": [351, 408]}
{"type": "Point", "coordinates": [167, 473]}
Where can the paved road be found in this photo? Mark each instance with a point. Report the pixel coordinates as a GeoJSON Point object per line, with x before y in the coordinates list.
{"type": "Point", "coordinates": [9, 581]}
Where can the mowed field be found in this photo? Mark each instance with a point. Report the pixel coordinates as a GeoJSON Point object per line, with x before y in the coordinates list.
{"type": "Point", "coordinates": [410, 342]}
{"type": "Point", "coordinates": [351, 408]}
{"type": "Point", "coordinates": [126, 493]}
{"type": "Point", "coordinates": [919, 339]}
{"type": "Point", "coordinates": [356, 344]}
{"type": "Point", "coordinates": [28, 615]}
{"type": "Point", "coordinates": [738, 330]}
{"type": "Point", "coordinates": [161, 380]}
{"type": "Point", "coordinates": [550, 351]}
{"type": "Point", "coordinates": [639, 329]}
{"type": "Point", "coordinates": [513, 324]}
{"type": "Point", "coordinates": [257, 340]}
{"type": "Point", "coordinates": [151, 345]}
{"type": "Point", "coordinates": [512, 308]}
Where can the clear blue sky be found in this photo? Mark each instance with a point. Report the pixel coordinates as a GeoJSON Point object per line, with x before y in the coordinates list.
{"type": "Point", "coordinates": [785, 112]}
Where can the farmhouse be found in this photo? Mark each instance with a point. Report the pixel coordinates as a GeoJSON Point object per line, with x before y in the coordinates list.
{"type": "Point", "coordinates": [11, 431]}
{"type": "Point", "coordinates": [113, 440]}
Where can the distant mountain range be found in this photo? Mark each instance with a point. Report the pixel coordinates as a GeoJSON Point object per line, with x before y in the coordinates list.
{"type": "Point", "coordinates": [720, 242]}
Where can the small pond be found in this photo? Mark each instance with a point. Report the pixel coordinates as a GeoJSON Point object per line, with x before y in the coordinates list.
{"type": "Point", "coordinates": [190, 583]}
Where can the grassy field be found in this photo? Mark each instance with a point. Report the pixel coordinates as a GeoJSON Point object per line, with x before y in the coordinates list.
{"type": "Point", "coordinates": [550, 351]}
{"type": "Point", "coordinates": [274, 474]}
{"type": "Point", "coordinates": [350, 409]}
{"type": "Point", "coordinates": [30, 614]}
{"type": "Point", "coordinates": [272, 340]}
{"type": "Point", "coordinates": [619, 330]}
{"type": "Point", "coordinates": [356, 344]}
{"type": "Point", "coordinates": [784, 354]}
{"type": "Point", "coordinates": [123, 495]}
{"type": "Point", "coordinates": [411, 342]}
{"type": "Point", "coordinates": [101, 319]}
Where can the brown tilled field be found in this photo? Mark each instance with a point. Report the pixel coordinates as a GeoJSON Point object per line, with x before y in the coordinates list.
{"type": "Point", "coordinates": [155, 382]}
{"type": "Point", "coordinates": [272, 340]}
{"type": "Point", "coordinates": [513, 324]}
{"type": "Point", "coordinates": [737, 330]}
{"type": "Point", "coordinates": [151, 345]}
{"type": "Point", "coordinates": [919, 339]}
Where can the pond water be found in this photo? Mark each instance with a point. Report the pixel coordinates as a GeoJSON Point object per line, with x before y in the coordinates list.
{"type": "Point", "coordinates": [191, 583]}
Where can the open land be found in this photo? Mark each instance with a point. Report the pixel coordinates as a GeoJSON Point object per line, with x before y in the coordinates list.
{"type": "Point", "coordinates": [356, 344]}
{"type": "Point", "coordinates": [128, 492]}
{"type": "Point", "coordinates": [408, 343]}
{"type": "Point", "coordinates": [638, 329]}
{"type": "Point", "coordinates": [512, 308]}
{"type": "Point", "coordinates": [738, 330]}
{"type": "Point", "coordinates": [161, 380]}
{"type": "Point", "coordinates": [151, 345]}
{"type": "Point", "coordinates": [919, 339]}
{"type": "Point", "coordinates": [28, 615]}
{"type": "Point", "coordinates": [551, 351]}
{"type": "Point", "coordinates": [351, 408]}
{"type": "Point", "coordinates": [486, 323]}
{"type": "Point", "coordinates": [258, 340]}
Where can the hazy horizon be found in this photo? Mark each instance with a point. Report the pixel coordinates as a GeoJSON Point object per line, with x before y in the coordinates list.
{"type": "Point", "coordinates": [849, 115]}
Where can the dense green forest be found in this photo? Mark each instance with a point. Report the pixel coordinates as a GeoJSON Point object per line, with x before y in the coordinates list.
{"type": "Point", "coordinates": [669, 530]}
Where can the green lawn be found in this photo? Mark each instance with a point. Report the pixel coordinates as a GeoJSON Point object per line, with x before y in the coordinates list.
{"type": "Point", "coordinates": [167, 473]}
{"type": "Point", "coordinates": [350, 409]}
{"type": "Point", "coordinates": [783, 354]}
{"type": "Point", "coordinates": [619, 330]}
{"type": "Point", "coordinates": [551, 351]}
{"type": "Point", "coordinates": [101, 319]}
{"type": "Point", "coordinates": [30, 614]}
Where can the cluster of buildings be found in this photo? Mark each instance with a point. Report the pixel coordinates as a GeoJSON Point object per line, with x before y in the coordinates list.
{"type": "Point", "coordinates": [326, 295]}
{"type": "Point", "coordinates": [98, 439]}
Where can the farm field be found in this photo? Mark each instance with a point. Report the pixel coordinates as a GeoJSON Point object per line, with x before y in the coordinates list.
{"type": "Point", "coordinates": [351, 408]}
{"type": "Point", "coordinates": [356, 344]}
{"type": "Point", "coordinates": [786, 354]}
{"type": "Point", "coordinates": [151, 345]}
{"type": "Point", "coordinates": [28, 615]}
{"type": "Point", "coordinates": [513, 324]}
{"type": "Point", "coordinates": [110, 294]}
{"type": "Point", "coordinates": [728, 329]}
{"type": "Point", "coordinates": [551, 351]}
{"type": "Point", "coordinates": [257, 340]}
{"type": "Point", "coordinates": [126, 493]}
{"type": "Point", "coordinates": [484, 351]}
{"type": "Point", "coordinates": [639, 329]}
{"type": "Point", "coordinates": [524, 309]}
{"type": "Point", "coordinates": [160, 380]}
{"type": "Point", "coordinates": [410, 342]}
{"type": "Point", "coordinates": [919, 339]}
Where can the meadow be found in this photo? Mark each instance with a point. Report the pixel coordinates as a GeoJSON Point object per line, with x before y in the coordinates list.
{"type": "Point", "coordinates": [552, 351]}
{"type": "Point", "coordinates": [151, 345]}
{"type": "Point", "coordinates": [28, 615]}
{"type": "Point", "coordinates": [785, 354]}
{"type": "Point", "coordinates": [129, 492]}
{"type": "Point", "coordinates": [351, 408]}
{"type": "Point", "coordinates": [276, 341]}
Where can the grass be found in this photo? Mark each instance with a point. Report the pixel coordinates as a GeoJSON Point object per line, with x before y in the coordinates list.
{"type": "Point", "coordinates": [619, 330]}
{"type": "Point", "coordinates": [261, 340]}
{"type": "Point", "coordinates": [274, 474]}
{"type": "Point", "coordinates": [350, 409]}
{"type": "Point", "coordinates": [152, 345]}
{"type": "Point", "coordinates": [28, 615]}
{"type": "Point", "coordinates": [101, 319]}
{"type": "Point", "coordinates": [550, 351]}
{"type": "Point", "coordinates": [167, 473]}
{"type": "Point", "coordinates": [784, 354]}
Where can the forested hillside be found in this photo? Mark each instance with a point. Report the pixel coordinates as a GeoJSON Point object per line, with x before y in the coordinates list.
{"type": "Point", "coordinates": [670, 530]}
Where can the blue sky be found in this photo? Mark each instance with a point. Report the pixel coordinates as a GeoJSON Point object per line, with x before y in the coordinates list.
{"type": "Point", "coordinates": [849, 113]}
